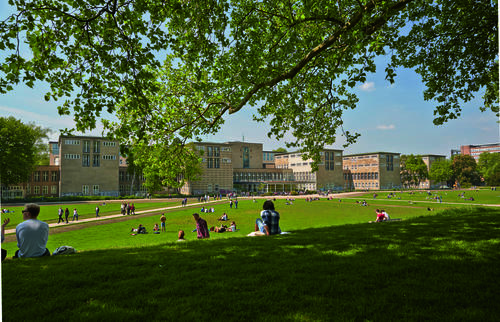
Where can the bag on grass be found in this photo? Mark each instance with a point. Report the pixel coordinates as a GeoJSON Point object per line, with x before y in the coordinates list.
{"type": "Point", "coordinates": [64, 250]}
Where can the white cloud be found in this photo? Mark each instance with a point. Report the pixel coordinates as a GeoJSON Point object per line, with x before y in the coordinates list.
{"type": "Point", "coordinates": [367, 87]}
{"type": "Point", "coordinates": [386, 127]}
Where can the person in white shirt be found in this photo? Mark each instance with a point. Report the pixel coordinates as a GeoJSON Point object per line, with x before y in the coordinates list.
{"type": "Point", "coordinates": [32, 234]}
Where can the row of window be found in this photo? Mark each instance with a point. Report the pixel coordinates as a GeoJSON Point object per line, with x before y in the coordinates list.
{"type": "Point", "coordinates": [361, 176]}
{"type": "Point", "coordinates": [44, 176]}
{"type": "Point", "coordinates": [86, 190]}
{"type": "Point", "coordinates": [86, 143]}
{"type": "Point", "coordinates": [44, 190]}
{"type": "Point", "coordinates": [261, 176]}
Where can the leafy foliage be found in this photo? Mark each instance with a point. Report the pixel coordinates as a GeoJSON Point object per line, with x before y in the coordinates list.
{"type": "Point", "coordinates": [20, 149]}
{"type": "Point", "coordinates": [465, 170]}
{"type": "Point", "coordinates": [413, 170]}
{"type": "Point", "coordinates": [441, 171]}
{"type": "Point", "coordinates": [489, 167]}
{"type": "Point", "coordinates": [172, 71]}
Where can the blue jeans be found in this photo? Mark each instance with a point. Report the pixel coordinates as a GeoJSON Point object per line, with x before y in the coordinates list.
{"type": "Point", "coordinates": [261, 225]}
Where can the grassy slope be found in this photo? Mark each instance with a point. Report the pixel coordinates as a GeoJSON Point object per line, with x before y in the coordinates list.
{"type": "Point", "coordinates": [298, 216]}
{"type": "Point", "coordinates": [442, 267]}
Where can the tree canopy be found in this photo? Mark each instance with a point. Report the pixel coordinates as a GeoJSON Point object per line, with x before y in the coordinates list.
{"type": "Point", "coordinates": [21, 148]}
{"type": "Point", "coordinates": [441, 171]}
{"type": "Point", "coordinates": [465, 170]}
{"type": "Point", "coordinates": [172, 71]}
{"type": "Point", "coordinates": [413, 170]}
{"type": "Point", "coordinates": [489, 167]}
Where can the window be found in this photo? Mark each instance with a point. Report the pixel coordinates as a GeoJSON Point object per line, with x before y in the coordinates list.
{"type": "Point", "coordinates": [216, 151]}
{"type": "Point", "coordinates": [95, 160]}
{"type": "Point", "coordinates": [71, 156]}
{"type": "Point", "coordinates": [109, 157]}
{"type": "Point", "coordinates": [97, 146]}
{"type": "Point", "coordinates": [54, 148]}
{"type": "Point", "coordinates": [389, 162]}
{"type": "Point", "coordinates": [107, 143]}
{"type": "Point", "coordinates": [86, 146]}
{"type": "Point", "coordinates": [55, 176]}
{"type": "Point", "coordinates": [53, 190]}
{"type": "Point", "coordinates": [329, 161]}
{"type": "Point", "coordinates": [36, 176]}
{"type": "Point", "coordinates": [209, 151]}
{"type": "Point", "coordinates": [36, 190]}
{"type": "Point", "coordinates": [72, 142]}
{"type": "Point", "coordinates": [95, 190]}
{"type": "Point", "coordinates": [85, 190]}
{"type": "Point", "coordinates": [246, 157]}
{"type": "Point", "coordinates": [86, 160]}
{"type": "Point", "coordinates": [45, 176]}
{"type": "Point", "coordinates": [122, 175]}
{"type": "Point", "coordinates": [217, 163]}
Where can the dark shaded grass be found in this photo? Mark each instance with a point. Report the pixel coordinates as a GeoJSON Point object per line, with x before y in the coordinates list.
{"type": "Point", "coordinates": [441, 268]}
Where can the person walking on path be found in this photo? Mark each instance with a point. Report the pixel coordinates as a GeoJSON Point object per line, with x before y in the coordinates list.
{"type": "Point", "coordinates": [97, 211]}
{"type": "Point", "coordinates": [163, 220]}
{"type": "Point", "coordinates": [75, 215]}
{"type": "Point", "coordinates": [66, 215]}
{"type": "Point", "coordinates": [60, 212]}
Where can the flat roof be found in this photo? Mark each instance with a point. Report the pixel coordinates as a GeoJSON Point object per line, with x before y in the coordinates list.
{"type": "Point", "coordinates": [368, 153]}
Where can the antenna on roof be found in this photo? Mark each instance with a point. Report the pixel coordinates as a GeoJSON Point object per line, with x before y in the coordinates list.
{"type": "Point", "coordinates": [243, 137]}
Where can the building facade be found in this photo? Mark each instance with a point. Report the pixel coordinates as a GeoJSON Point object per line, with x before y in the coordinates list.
{"type": "Point", "coordinates": [372, 171]}
{"type": "Point", "coordinates": [476, 150]}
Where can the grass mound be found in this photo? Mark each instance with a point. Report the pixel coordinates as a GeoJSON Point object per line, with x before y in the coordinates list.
{"type": "Point", "coordinates": [442, 267]}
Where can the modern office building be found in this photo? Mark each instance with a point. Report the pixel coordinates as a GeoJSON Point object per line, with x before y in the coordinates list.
{"type": "Point", "coordinates": [476, 150]}
{"type": "Point", "coordinates": [372, 171]}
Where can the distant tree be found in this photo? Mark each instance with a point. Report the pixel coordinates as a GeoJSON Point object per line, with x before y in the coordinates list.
{"type": "Point", "coordinates": [441, 171]}
{"type": "Point", "coordinates": [280, 150]}
{"type": "Point", "coordinates": [21, 147]}
{"type": "Point", "coordinates": [465, 170]}
{"type": "Point", "coordinates": [413, 170]}
{"type": "Point", "coordinates": [489, 168]}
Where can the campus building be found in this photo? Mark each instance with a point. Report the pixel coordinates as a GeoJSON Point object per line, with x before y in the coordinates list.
{"type": "Point", "coordinates": [372, 171]}
{"type": "Point", "coordinates": [328, 176]}
{"type": "Point", "coordinates": [476, 150]}
{"type": "Point", "coordinates": [429, 159]}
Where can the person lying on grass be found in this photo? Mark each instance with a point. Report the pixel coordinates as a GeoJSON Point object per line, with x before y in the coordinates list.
{"type": "Point", "coordinates": [223, 217]}
{"type": "Point", "coordinates": [268, 224]}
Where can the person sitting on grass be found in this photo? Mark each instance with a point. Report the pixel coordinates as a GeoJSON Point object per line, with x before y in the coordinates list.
{"type": "Point", "coordinates": [385, 214]}
{"type": "Point", "coordinates": [141, 229]}
{"type": "Point", "coordinates": [380, 216]}
{"type": "Point", "coordinates": [268, 224]}
{"type": "Point", "coordinates": [223, 217]}
{"type": "Point", "coordinates": [233, 226]}
{"type": "Point", "coordinates": [221, 229]}
{"type": "Point", "coordinates": [181, 236]}
{"type": "Point", "coordinates": [32, 234]}
{"type": "Point", "coordinates": [201, 227]}
{"type": "Point", "coordinates": [5, 223]}
{"type": "Point", "coordinates": [156, 229]}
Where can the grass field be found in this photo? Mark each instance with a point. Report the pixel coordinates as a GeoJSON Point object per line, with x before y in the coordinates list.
{"type": "Point", "coordinates": [436, 266]}
{"type": "Point", "coordinates": [49, 213]}
{"type": "Point", "coordinates": [300, 215]}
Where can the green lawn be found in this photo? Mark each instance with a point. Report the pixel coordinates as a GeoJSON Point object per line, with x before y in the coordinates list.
{"type": "Point", "coordinates": [432, 266]}
{"type": "Point", "coordinates": [482, 196]}
{"type": "Point", "coordinates": [301, 215]}
{"type": "Point", "coordinates": [49, 213]}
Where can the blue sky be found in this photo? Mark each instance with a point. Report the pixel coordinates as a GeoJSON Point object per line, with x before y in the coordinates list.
{"type": "Point", "coordinates": [393, 118]}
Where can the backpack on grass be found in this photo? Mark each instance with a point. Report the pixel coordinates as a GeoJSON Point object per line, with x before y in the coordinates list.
{"type": "Point", "coordinates": [64, 250]}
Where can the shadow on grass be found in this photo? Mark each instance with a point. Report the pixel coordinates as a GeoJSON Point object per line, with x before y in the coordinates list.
{"type": "Point", "coordinates": [442, 268]}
